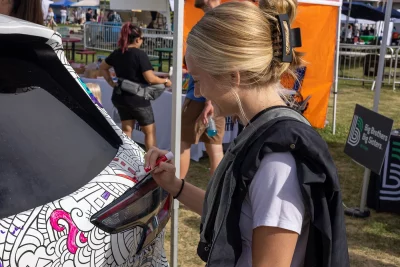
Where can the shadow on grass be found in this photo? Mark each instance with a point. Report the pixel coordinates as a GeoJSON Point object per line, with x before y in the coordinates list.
{"type": "Point", "coordinates": [376, 242]}
{"type": "Point", "coordinates": [192, 222]}
{"type": "Point", "coordinates": [364, 261]}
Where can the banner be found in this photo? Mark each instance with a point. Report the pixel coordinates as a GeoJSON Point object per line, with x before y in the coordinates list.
{"type": "Point", "coordinates": [318, 23]}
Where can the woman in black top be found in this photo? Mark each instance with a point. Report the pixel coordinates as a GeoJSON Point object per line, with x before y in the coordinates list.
{"type": "Point", "coordinates": [131, 63]}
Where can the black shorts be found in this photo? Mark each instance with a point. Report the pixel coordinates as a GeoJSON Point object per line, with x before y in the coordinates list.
{"type": "Point", "coordinates": [143, 115]}
{"type": "Point", "coordinates": [133, 107]}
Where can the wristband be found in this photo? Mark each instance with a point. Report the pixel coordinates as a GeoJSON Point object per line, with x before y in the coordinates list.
{"type": "Point", "coordinates": [180, 191]}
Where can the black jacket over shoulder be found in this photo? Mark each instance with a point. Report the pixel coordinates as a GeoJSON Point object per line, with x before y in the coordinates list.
{"type": "Point", "coordinates": [278, 129]}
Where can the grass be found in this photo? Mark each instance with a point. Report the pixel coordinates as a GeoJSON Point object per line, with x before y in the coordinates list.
{"type": "Point", "coordinates": [373, 242]}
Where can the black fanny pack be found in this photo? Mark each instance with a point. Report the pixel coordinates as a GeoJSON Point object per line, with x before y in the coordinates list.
{"type": "Point", "coordinates": [148, 92]}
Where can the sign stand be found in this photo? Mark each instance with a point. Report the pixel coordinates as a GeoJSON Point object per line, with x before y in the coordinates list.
{"type": "Point", "coordinates": [363, 212]}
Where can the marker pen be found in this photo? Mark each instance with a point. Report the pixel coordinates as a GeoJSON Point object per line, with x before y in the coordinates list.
{"type": "Point", "coordinates": [165, 158]}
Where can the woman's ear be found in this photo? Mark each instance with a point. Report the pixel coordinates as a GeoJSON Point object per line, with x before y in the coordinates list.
{"type": "Point", "coordinates": [235, 78]}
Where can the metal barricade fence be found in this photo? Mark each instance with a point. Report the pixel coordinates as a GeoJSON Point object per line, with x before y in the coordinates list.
{"type": "Point", "coordinates": [105, 37]}
{"type": "Point", "coordinates": [360, 63]}
{"type": "Point", "coordinates": [396, 69]}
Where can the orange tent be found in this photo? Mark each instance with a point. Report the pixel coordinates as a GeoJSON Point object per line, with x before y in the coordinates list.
{"type": "Point", "coordinates": [318, 20]}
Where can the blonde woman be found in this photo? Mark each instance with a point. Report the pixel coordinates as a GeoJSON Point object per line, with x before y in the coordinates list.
{"type": "Point", "coordinates": [274, 200]}
{"type": "Point", "coordinates": [101, 18]}
{"type": "Point", "coordinates": [95, 89]}
{"type": "Point", "coordinates": [50, 19]}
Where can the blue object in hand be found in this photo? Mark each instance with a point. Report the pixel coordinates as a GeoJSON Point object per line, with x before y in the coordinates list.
{"type": "Point", "coordinates": [212, 128]}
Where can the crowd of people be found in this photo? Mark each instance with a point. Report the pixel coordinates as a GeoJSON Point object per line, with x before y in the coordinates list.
{"type": "Point", "coordinates": [355, 31]}
{"type": "Point", "coordinates": [80, 16]}
{"type": "Point", "coordinates": [274, 198]}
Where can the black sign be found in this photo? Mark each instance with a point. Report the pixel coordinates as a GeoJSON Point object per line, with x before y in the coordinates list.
{"type": "Point", "coordinates": [368, 138]}
{"type": "Point", "coordinates": [384, 189]}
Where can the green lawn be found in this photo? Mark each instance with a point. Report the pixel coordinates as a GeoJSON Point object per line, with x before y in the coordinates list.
{"type": "Point", "coordinates": [373, 242]}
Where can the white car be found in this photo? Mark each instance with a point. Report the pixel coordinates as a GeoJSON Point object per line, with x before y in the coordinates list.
{"type": "Point", "coordinates": [69, 195]}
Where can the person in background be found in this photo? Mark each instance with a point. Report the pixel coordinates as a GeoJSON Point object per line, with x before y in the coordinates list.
{"type": "Point", "coordinates": [75, 15]}
{"type": "Point", "coordinates": [133, 64]}
{"type": "Point", "coordinates": [63, 13]}
{"type": "Point", "coordinates": [89, 15]}
{"type": "Point", "coordinates": [195, 113]}
{"type": "Point", "coordinates": [194, 130]}
{"type": "Point", "coordinates": [116, 17]}
{"type": "Point", "coordinates": [365, 32]}
{"type": "Point", "coordinates": [153, 20]}
{"type": "Point", "coordinates": [50, 19]}
{"type": "Point", "coordinates": [82, 15]}
{"type": "Point", "coordinates": [395, 36]}
{"type": "Point", "coordinates": [96, 90]}
{"type": "Point", "coordinates": [110, 17]}
{"type": "Point", "coordinates": [357, 30]}
{"type": "Point", "coordinates": [371, 31]}
{"type": "Point", "coordinates": [349, 37]}
{"type": "Point", "coordinates": [101, 17]}
{"type": "Point", "coordinates": [29, 10]}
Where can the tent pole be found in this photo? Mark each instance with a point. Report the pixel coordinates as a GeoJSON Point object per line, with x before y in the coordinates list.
{"type": "Point", "coordinates": [168, 14]}
{"type": "Point", "coordinates": [176, 117]}
{"type": "Point", "coordinates": [346, 29]}
{"type": "Point", "coordinates": [378, 85]}
{"type": "Point", "coordinates": [363, 211]}
{"type": "Point", "coordinates": [335, 91]}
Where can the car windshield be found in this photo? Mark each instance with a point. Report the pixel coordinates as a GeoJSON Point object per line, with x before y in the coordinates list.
{"type": "Point", "coordinates": [52, 139]}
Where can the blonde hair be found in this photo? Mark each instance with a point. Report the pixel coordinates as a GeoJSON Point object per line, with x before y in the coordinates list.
{"type": "Point", "coordinates": [238, 37]}
{"type": "Point", "coordinates": [95, 89]}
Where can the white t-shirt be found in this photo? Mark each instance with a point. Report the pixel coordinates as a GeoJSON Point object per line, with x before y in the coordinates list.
{"type": "Point", "coordinates": [349, 33]}
{"type": "Point", "coordinates": [63, 12]}
{"type": "Point", "coordinates": [274, 199]}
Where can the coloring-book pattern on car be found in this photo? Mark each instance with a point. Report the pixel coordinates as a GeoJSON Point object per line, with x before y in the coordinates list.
{"type": "Point", "coordinates": [60, 233]}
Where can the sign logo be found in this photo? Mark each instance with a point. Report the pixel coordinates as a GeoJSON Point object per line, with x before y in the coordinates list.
{"type": "Point", "coordinates": [355, 131]}
{"type": "Point", "coordinates": [390, 189]}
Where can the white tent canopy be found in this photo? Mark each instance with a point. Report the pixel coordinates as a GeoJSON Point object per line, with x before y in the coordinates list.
{"type": "Point", "coordinates": [147, 5]}
{"type": "Point", "coordinates": [162, 6]}
{"type": "Point", "coordinates": [343, 19]}
{"type": "Point", "coordinates": [85, 3]}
